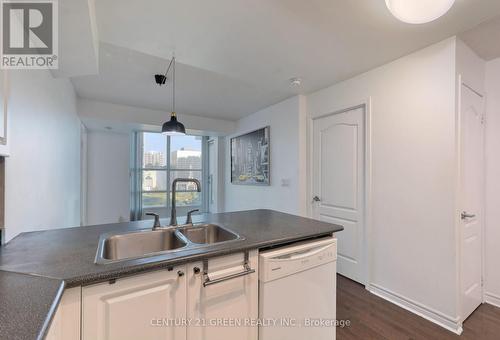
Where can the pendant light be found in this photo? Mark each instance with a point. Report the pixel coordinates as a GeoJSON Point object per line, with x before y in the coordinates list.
{"type": "Point", "coordinates": [419, 11]}
{"type": "Point", "coordinates": [173, 127]}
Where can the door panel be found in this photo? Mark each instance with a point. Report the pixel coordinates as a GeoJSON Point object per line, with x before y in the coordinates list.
{"type": "Point", "coordinates": [338, 181]}
{"type": "Point", "coordinates": [349, 247]}
{"type": "Point", "coordinates": [130, 308]}
{"type": "Point", "coordinates": [339, 146]}
{"type": "Point", "coordinates": [472, 199]}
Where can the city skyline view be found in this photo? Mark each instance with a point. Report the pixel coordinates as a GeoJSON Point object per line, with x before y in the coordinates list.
{"type": "Point", "coordinates": [185, 153]}
{"type": "Point", "coordinates": [157, 142]}
{"type": "Point", "coordinates": [156, 180]}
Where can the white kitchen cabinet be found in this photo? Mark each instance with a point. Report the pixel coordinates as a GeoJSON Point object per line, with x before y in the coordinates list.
{"type": "Point", "coordinates": [222, 310]}
{"type": "Point", "coordinates": [66, 322]}
{"type": "Point", "coordinates": [166, 305]}
{"type": "Point", "coordinates": [139, 307]}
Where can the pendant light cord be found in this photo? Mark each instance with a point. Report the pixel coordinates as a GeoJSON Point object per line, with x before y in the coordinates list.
{"type": "Point", "coordinates": [171, 65]}
{"type": "Point", "coordinates": [173, 87]}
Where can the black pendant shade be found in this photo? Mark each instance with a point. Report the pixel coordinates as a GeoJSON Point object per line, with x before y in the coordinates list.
{"type": "Point", "coordinates": [173, 127]}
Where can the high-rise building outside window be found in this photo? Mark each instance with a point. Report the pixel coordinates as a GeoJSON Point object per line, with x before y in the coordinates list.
{"type": "Point", "coordinates": [163, 159]}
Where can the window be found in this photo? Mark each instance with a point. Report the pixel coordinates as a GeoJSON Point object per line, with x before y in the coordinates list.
{"type": "Point", "coordinates": [163, 159]}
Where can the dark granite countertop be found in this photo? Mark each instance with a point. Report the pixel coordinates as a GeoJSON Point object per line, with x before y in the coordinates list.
{"type": "Point", "coordinates": [27, 304]}
{"type": "Point", "coordinates": [65, 257]}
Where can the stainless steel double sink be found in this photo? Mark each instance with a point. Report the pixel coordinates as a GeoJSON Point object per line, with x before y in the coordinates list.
{"type": "Point", "coordinates": [115, 247]}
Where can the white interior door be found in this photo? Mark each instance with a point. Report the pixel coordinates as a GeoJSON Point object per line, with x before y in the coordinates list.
{"type": "Point", "coordinates": [472, 199]}
{"type": "Point", "coordinates": [338, 184]}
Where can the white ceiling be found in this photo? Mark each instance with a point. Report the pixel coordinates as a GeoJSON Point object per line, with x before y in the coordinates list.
{"type": "Point", "coordinates": [485, 39]}
{"type": "Point", "coordinates": [236, 57]}
{"type": "Point", "coordinates": [77, 56]}
{"type": "Point", "coordinates": [126, 78]}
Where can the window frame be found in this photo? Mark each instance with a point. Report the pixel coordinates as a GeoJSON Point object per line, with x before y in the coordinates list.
{"type": "Point", "coordinates": [139, 191]}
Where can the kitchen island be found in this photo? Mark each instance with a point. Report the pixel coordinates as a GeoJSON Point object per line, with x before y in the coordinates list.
{"type": "Point", "coordinates": [55, 260]}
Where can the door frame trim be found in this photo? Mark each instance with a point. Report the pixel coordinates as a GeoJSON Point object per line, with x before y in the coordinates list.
{"type": "Point", "coordinates": [366, 104]}
{"type": "Point", "coordinates": [461, 81]}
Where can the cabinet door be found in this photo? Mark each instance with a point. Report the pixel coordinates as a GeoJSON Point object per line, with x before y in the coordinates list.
{"type": "Point", "coordinates": [140, 307]}
{"type": "Point", "coordinates": [66, 322]}
{"type": "Point", "coordinates": [222, 310]}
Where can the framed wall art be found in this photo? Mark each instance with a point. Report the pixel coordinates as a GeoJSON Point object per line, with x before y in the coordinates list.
{"type": "Point", "coordinates": [250, 158]}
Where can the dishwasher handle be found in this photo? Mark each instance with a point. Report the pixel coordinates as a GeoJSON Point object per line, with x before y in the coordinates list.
{"type": "Point", "coordinates": [301, 254]}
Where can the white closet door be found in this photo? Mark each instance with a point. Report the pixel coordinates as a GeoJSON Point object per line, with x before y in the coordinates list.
{"type": "Point", "coordinates": [338, 184]}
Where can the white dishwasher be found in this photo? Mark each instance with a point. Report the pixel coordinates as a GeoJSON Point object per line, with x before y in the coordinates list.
{"type": "Point", "coordinates": [297, 291]}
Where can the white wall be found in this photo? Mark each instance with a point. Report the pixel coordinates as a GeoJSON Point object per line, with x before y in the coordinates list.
{"type": "Point", "coordinates": [287, 135]}
{"type": "Point", "coordinates": [412, 239]}
{"type": "Point", "coordinates": [108, 182]}
{"type": "Point", "coordinates": [42, 175]}
{"type": "Point", "coordinates": [470, 67]}
{"type": "Point", "coordinates": [413, 235]}
{"type": "Point", "coordinates": [96, 114]}
{"type": "Point", "coordinates": [492, 237]}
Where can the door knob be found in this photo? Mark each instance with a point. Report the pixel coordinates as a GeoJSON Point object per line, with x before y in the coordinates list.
{"type": "Point", "coordinates": [180, 273]}
{"type": "Point", "coordinates": [465, 215]}
{"type": "Point", "coordinates": [316, 199]}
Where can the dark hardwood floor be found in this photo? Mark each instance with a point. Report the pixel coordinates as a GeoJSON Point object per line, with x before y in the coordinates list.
{"type": "Point", "coordinates": [374, 318]}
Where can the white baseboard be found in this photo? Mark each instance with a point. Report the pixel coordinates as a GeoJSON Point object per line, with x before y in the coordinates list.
{"type": "Point", "coordinates": [492, 299]}
{"type": "Point", "coordinates": [451, 324]}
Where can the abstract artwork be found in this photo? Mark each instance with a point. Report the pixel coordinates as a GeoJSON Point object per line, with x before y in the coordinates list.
{"type": "Point", "coordinates": [250, 161]}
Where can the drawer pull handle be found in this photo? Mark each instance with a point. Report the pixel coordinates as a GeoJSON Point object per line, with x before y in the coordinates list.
{"type": "Point", "coordinates": [209, 282]}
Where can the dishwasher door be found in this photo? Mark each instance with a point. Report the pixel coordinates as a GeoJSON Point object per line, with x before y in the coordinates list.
{"type": "Point", "coordinates": [297, 291]}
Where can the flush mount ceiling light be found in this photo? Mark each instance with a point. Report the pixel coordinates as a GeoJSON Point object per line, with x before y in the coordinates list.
{"type": "Point", "coordinates": [419, 11]}
{"type": "Point", "coordinates": [173, 126]}
{"type": "Point", "coordinates": [295, 82]}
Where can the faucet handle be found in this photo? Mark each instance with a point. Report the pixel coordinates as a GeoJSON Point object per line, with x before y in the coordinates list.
{"type": "Point", "coordinates": [189, 219]}
{"type": "Point", "coordinates": [157, 219]}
